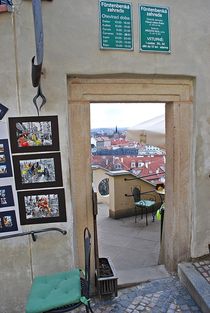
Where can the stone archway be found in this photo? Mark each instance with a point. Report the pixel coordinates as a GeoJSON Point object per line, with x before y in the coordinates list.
{"type": "Point", "coordinates": [177, 93]}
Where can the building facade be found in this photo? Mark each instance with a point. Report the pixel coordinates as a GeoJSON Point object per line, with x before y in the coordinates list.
{"type": "Point", "coordinates": [76, 72]}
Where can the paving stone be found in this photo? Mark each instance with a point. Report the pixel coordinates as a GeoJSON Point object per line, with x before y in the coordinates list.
{"type": "Point", "coordinates": [194, 309]}
{"type": "Point", "coordinates": [197, 264]}
{"type": "Point", "coordinates": [166, 295]}
{"type": "Point", "coordinates": [173, 306]}
{"type": "Point", "coordinates": [140, 307]}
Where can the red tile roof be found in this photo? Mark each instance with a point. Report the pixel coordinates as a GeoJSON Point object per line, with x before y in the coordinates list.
{"type": "Point", "coordinates": [149, 165]}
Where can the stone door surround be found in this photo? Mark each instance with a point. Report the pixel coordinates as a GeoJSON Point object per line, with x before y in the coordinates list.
{"type": "Point", "coordinates": [177, 93]}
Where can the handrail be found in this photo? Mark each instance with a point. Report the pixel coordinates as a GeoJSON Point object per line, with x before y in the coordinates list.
{"type": "Point", "coordinates": [141, 193]}
{"type": "Point", "coordinates": [140, 177]}
{"type": "Point", "coordinates": [34, 232]}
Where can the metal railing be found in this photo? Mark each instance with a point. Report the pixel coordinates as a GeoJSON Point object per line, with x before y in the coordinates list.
{"type": "Point", "coordinates": [140, 177]}
{"type": "Point", "coordinates": [34, 232]}
{"type": "Point", "coordinates": [141, 193]}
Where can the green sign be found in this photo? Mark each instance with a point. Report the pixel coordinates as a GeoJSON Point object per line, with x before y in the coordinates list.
{"type": "Point", "coordinates": [154, 29]}
{"type": "Point", "coordinates": [115, 25]}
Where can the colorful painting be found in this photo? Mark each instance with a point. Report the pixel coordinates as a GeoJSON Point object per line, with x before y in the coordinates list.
{"type": "Point", "coordinates": [8, 221]}
{"type": "Point", "coordinates": [5, 163]}
{"type": "Point", "coordinates": [42, 206]}
{"type": "Point", "coordinates": [6, 196]}
{"type": "Point", "coordinates": [33, 134]}
{"type": "Point", "coordinates": [3, 111]}
{"type": "Point", "coordinates": [37, 170]}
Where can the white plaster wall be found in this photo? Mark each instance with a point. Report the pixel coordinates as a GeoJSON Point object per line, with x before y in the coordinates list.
{"type": "Point", "coordinates": [71, 35]}
{"type": "Point", "coordinates": [98, 175]}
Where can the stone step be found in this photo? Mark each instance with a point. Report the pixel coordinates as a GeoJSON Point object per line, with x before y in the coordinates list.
{"type": "Point", "coordinates": [131, 277]}
{"type": "Point", "coordinates": [196, 284]}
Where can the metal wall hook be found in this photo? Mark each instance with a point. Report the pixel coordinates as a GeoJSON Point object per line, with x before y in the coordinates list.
{"type": "Point", "coordinates": [38, 96]}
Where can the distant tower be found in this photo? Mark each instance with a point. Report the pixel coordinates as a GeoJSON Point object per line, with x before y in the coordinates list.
{"type": "Point", "coordinates": [116, 134]}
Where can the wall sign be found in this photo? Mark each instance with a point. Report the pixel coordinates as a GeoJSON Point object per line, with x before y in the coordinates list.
{"type": "Point", "coordinates": [154, 28]}
{"type": "Point", "coordinates": [115, 25]}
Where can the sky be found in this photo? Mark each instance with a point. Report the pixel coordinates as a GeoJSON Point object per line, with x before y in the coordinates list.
{"type": "Point", "coordinates": [110, 115]}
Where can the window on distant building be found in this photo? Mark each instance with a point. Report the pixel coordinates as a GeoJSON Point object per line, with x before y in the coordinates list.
{"type": "Point", "coordinates": [103, 187]}
{"type": "Point", "coordinates": [140, 164]}
{"type": "Point", "coordinates": [118, 166]}
{"type": "Point", "coordinates": [162, 167]}
{"type": "Point", "coordinates": [133, 164]}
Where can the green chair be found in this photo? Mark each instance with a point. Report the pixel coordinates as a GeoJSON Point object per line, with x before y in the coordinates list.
{"type": "Point", "coordinates": [143, 204]}
{"type": "Point", "coordinates": [62, 292]}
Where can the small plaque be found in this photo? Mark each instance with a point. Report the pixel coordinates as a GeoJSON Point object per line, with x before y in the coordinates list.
{"type": "Point", "coordinates": [154, 28]}
{"type": "Point", "coordinates": [115, 25]}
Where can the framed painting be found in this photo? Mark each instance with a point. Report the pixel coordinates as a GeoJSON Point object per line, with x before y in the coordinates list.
{"type": "Point", "coordinates": [34, 134]}
{"type": "Point", "coordinates": [37, 170]}
{"type": "Point", "coordinates": [8, 221]}
{"type": "Point", "coordinates": [5, 163]}
{"type": "Point", "coordinates": [3, 111]}
{"type": "Point", "coordinates": [6, 196]}
{"type": "Point", "coordinates": [42, 206]}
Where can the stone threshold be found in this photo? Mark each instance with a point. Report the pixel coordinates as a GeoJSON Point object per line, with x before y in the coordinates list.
{"type": "Point", "coordinates": [136, 276]}
{"type": "Point", "coordinates": [196, 284]}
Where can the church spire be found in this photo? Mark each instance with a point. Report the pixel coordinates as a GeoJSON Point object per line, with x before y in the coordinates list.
{"type": "Point", "coordinates": [116, 134]}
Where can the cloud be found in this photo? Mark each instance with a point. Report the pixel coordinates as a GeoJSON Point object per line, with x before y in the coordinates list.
{"type": "Point", "coordinates": [123, 114]}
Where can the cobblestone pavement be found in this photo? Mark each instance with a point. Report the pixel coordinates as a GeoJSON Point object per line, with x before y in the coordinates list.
{"type": "Point", "coordinates": [166, 295]}
{"type": "Point", "coordinates": [203, 268]}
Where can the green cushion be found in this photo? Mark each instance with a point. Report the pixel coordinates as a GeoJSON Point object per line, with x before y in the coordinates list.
{"type": "Point", "coordinates": [53, 291]}
{"type": "Point", "coordinates": [147, 203]}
